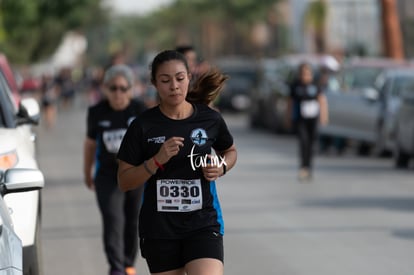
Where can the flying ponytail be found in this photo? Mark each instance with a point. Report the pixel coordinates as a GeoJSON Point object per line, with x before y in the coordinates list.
{"type": "Point", "coordinates": [207, 87]}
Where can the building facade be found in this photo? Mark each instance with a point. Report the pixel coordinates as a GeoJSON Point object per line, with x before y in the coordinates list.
{"type": "Point", "coordinates": [353, 27]}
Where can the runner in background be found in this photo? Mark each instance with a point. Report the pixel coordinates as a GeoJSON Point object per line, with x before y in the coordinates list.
{"type": "Point", "coordinates": [307, 107]}
{"type": "Point", "coordinates": [107, 123]}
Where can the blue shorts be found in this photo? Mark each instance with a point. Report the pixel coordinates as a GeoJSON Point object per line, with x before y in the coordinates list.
{"type": "Point", "coordinates": [164, 254]}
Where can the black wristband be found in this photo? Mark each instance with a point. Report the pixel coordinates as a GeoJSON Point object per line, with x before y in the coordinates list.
{"type": "Point", "coordinates": [147, 169]}
{"type": "Point", "coordinates": [224, 169]}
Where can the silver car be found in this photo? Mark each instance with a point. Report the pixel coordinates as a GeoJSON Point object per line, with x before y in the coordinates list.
{"type": "Point", "coordinates": [363, 110]}
{"type": "Point", "coordinates": [404, 130]}
{"type": "Point", "coordinates": [12, 181]}
{"type": "Point", "coordinates": [17, 150]}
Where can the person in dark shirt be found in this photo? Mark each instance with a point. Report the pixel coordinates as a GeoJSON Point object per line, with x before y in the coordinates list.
{"type": "Point", "coordinates": [191, 56]}
{"type": "Point", "coordinates": [307, 106]}
{"type": "Point", "coordinates": [65, 86]}
{"type": "Point", "coordinates": [178, 150]}
{"type": "Point", "coordinates": [107, 122]}
{"type": "Point", "coordinates": [195, 66]}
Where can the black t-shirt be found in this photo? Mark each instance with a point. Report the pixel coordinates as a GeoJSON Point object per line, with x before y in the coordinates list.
{"type": "Point", "coordinates": [107, 127]}
{"type": "Point", "coordinates": [305, 100]}
{"type": "Point", "coordinates": [178, 200]}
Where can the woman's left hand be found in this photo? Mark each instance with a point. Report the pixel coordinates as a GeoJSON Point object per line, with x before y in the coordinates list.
{"type": "Point", "coordinates": [212, 171]}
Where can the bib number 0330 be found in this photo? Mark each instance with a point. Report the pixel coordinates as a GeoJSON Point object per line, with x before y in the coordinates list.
{"type": "Point", "coordinates": [179, 195]}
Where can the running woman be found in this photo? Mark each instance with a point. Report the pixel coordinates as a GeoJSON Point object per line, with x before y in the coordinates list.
{"type": "Point", "coordinates": [307, 108]}
{"type": "Point", "coordinates": [169, 149]}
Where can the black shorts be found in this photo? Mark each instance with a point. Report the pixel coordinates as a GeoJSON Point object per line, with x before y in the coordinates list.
{"type": "Point", "coordinates": [164, 254]}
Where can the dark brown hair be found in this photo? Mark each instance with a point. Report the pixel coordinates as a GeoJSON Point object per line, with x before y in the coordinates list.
{"type": "Point", "coordinates": [207, 86]}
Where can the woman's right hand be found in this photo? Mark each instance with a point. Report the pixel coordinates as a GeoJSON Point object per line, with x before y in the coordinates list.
{"type": "Point", "coordinates": [170, 148]}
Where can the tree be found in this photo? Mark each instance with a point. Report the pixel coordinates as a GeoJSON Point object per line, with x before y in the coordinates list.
{"type": "Point", "coordinates": [392, 37]}
{"type": "Point", "coordinates": [31, 30]}
{"type": "Point", "coordinates": [212, 26]}
{"type": "Point", "coordinates": [315, 19]}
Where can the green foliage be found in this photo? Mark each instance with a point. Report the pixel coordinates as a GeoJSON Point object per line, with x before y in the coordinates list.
{"type": "Point", "coordinates": [316, 17]}
{"type": "Point", "coordinates": [31, 30]}
{"type": "Point", "coordinates": [189, 19]}
{"type": "Point", "coordinates": [316, 14]}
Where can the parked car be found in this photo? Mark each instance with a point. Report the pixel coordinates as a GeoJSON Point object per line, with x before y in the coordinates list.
{"type": "Point", "coordinates": [11, 250]}
{"type": "Point", "coordinates": [8, 76]}
{"type": "Point", "coordinates": [17, 150]}
{"type": "Point", "coordinates": [269, 98]}
{"type": "Point", "coordinates": [363, 109]}
{"type": "Point", "coordinates": [235, 95]}
{"type": "Point", "coordinates": [404, 130]}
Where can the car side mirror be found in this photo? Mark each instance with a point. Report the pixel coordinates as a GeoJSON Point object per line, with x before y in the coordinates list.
{"type": "Point", "coordinates": [29, 111]}
{"type": "Point", "coordinates": [370, 94]}
{"type": "Point", "coordinates": [21, 180]}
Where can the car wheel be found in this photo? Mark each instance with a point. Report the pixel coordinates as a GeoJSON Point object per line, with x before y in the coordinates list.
{"type": "Point", "coordinates": [401, 158]}
{"type": "Point", "coordinates": [380, 144]}
{"type": "Point", "coordinates": [254, 120]}
{"type": "Point", "coordinates": [364, 149]}
{"type": "Point", "coordinates": [257, 116]}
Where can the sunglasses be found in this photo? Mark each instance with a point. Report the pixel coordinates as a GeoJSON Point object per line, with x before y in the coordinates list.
{"type": "Point", "coordinates": [115, 88]}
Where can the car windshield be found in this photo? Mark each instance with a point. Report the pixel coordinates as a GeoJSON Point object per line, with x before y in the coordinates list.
{"type": "Point", "coordinates": [240, 78]}
{"type": "Point", "coordinates": [359, 77]}
{"type": "Point", "coordinates": [7, 111]}
{"type": "Point", "coordinates": [403, 83]}
{"type": "Point", "coordinates": [277, 70]}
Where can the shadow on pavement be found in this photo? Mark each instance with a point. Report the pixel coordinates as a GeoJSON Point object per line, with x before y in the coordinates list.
{"type": "Point", "coordinates": [389, 203]}
{"type": "Point", "coordinates": [404, 233]}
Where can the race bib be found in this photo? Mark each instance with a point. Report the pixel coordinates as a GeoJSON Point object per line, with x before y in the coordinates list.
{"type": "Point", "coordinates": [112, 139]}
{"type": "Point", "coordinates": [175, 195]}
{"type": "Point", "coordinates": [309, 108]}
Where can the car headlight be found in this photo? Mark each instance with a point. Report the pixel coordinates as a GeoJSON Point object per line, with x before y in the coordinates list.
{"type": "Point", "coordinates": [8, 160]}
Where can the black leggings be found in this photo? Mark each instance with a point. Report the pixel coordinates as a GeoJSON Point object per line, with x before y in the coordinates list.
{"type": "Point", "coordinates": [120, 211]}
{"type": "Point", "coordinates": [306, 131]}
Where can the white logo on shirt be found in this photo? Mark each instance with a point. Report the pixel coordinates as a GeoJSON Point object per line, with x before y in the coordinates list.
{"type": "Point", "coordinates": [157, 140]}
{"type": "Point", "coordinates": [199, 136]}
{"type": "Point", "coordinates": [104, 123]}
{"type": "Point", "coordinates": [112, 139]}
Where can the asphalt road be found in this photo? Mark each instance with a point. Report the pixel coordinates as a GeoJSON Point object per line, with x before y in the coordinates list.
{"type": "Point", "coordinates": [355, 217]}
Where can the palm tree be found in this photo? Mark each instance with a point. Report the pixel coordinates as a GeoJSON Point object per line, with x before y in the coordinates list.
{"type": "Point", "coordinates": [316, 16]}
{"type": "Point", "coordinates": [392, 37]}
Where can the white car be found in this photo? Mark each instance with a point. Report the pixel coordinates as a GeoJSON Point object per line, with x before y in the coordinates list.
{"type": "Point", "coordinates": [17, 150]}
{"type": "Point", "coordinates": [11, 250]}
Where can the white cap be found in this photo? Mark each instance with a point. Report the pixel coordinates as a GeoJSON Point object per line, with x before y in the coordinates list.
{"type": "Point", "coordinates": [330, 63]}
